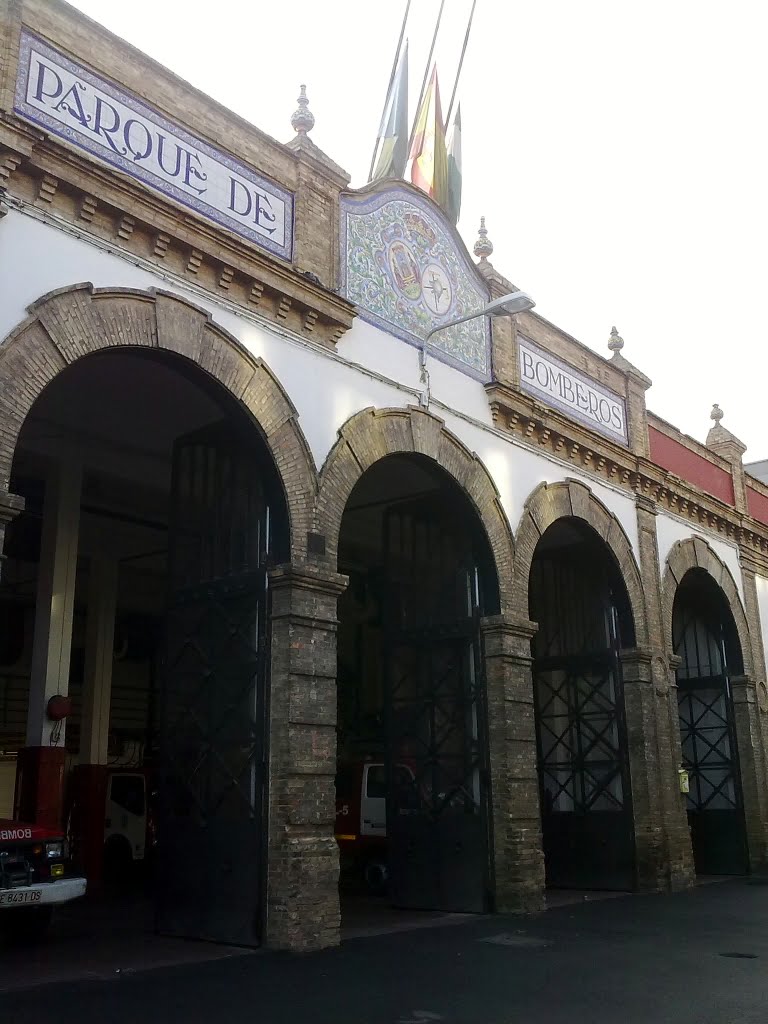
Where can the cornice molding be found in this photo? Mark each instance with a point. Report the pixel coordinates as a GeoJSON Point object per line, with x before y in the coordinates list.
{"type": "Point", "coordinates": [109, 206]}
{"type": "Point", "coordinates": [654, 488]}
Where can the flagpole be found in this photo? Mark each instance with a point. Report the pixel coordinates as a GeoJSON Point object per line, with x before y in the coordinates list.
{"type": "Point", "coordinates": [389, 87]}
{"type": "Point", "coordinates": [426, 75]}
{"type": "Point", "coordinates": [461, 62]}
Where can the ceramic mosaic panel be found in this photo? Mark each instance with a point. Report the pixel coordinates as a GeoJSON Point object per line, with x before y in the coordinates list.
{"type": "Point", "coordinates": [407, 272]}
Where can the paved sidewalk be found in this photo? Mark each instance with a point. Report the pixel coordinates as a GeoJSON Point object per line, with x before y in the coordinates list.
{"type": "Point", "coordinates": [698, 957]}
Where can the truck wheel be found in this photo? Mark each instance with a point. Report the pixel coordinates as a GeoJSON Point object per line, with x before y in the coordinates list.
{"type": "Point", "coordinates": [376, 876]}
{"type": "Point", "coordinates": [27, 924]}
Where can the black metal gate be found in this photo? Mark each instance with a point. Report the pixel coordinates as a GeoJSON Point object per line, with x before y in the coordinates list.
{"type": "Point", "coordinates": [587, 823]}
{"type": "Point", "coordinates": [437, 807]}
{"type": "Point", "coordinates": [212, 706]}
{"type": "Point", "coordinates": [714, 801]}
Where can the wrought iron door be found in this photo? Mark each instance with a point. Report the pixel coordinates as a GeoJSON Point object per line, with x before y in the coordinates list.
{"type": "Point", "coordinates": [583, 769]}
{"type": "Point", "coordinates": [435, 712]}
{"type": "Point", "coordinates": [212, 706]}
{"type": "Point", "coordinates": [714, 801]}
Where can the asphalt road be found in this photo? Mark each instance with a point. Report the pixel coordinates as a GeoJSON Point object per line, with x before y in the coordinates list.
{"type": "Point", "coordinates": [634, 960]}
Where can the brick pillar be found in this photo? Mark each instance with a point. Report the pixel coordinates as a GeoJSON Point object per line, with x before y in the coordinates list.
{"type": "Point", "coordinates": [303, 858]}
{"type": "Point", "coordinates": [664, 854]}
{"type": "Point", "coordinates": [517, 843]}
{"type": "Point", "coordinates": [746, 716]}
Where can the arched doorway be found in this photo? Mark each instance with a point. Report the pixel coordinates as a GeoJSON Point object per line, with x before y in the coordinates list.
{"type": "Point", "coordinates": [579, 600]}
{"type": "Point", "coordinates": [706, 641]}
{"type": "Point", "coordinates": [412, 778]}
{"type": "Point", "coordinates": [154, 510]}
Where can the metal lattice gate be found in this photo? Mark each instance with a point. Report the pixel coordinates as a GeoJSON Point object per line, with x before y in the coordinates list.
{"type": "Point", "coordinates": [212, 706]}
{"type": "Point", "coordinates": [708, 740]}
{"type": "Point", "coordinates": [435, 717]}
{"type": "Point", "coordinates": [587, 824]}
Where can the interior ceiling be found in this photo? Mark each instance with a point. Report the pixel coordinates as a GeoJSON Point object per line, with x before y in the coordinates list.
{"type": "Point", "coordinates": [128, 399]}
{"type": "Point", "coordinates": [563, 533]}
{"type": "Point", "coordinates": [395, 478]}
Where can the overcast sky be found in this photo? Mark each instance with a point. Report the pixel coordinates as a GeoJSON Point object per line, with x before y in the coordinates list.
{"type": "Point", "coordinates": [616, 147]}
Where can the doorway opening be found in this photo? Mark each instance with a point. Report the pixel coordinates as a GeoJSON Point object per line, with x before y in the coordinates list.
{"type": "Point", "coordinates": [581, 605]}
{"type": "Point", "coordinates": [705, 639]}
{"type": "Point", "coordinates": [412, 788]}
{"type": "Point", "coordinates": [176, 520]}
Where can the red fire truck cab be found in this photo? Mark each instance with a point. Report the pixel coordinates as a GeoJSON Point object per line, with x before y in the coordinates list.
{"type": "Point", "coordinates": [34, 877]}
{"type": "Point", "coordinates": [361, 817]}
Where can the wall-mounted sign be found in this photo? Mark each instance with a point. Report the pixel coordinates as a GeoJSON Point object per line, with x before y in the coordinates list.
{"type": "Point", "coordinates": [407, 272]}
{"type": "Point", "coordinates": [91, 114]}
{"type": "Point", "coordinates": [558, 384]}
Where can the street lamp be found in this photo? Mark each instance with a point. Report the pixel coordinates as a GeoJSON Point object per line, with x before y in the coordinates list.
{"type": "Point", "coordinates": [507, 305]}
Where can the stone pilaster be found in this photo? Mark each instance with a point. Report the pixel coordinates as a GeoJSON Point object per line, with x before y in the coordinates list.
{"type": "Point", "coordinates": [749, 744]}
{"type": "Point", "coordinates": [664, 854]}
{"type": "Point", "coordinates": [637, 385]}
{"type": "Point", "coordinates": [725, 444]}
{"type": "Point", "coordinates": [517, 842]}
{"type": "Point", "coordinates": [303, 858]}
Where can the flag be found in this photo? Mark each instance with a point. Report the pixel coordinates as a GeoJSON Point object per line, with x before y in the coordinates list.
{"type": "Point", "coordinates": [393, 132]}
{"type": "Point", "coordinates": [453, 205]}
{"type": "Point", "coordinates": [429, 161]}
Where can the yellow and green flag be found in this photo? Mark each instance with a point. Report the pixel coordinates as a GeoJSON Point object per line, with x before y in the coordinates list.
{"type": "Point", "coordinates": [393, 153]}
{"type": "Point", "coordinates": [453, 206]}
{"type": "Point", "coordinates": [429, 159]}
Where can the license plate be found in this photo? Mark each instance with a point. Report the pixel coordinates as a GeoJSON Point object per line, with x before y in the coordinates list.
{"type": "Point", "coordinates": [15, 898]}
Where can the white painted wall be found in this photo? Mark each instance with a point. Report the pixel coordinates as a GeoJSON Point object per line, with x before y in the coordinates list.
{"type": "Point", "coordinates": [517, 472]}
{"type": "Point", "coordinates": [670, 530]}
{"type": "Point", "coordinates": [762, 608]}
{"type": "Point", "coordinates": [325, 388]}
{"type": "Point", "coordinates": [325, 391]}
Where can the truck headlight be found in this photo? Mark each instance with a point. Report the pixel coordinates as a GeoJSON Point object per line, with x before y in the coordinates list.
{"type": "Point", "coordinates": [54, 850]}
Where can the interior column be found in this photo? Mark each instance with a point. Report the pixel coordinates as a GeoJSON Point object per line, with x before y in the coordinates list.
{"type": "Point", "coordinates": [90, 777]}
{"type": "Point", "coordinates": [40, 769]}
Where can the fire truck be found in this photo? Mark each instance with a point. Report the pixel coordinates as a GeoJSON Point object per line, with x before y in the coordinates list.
{"type": "Point", "coordinates": [361, 816]}
{"type": "Point", "coordinates": [34, 878]}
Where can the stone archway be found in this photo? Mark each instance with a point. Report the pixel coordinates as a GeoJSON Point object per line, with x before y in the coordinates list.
{"type": "Point", "coordinates": [73, 322]}
{"type": "Point", "coordinates": [571, 499]}
{"type": "Point", "coordinates": [79, 321]}
{"type": "Point", "coordinates": [371, 435]}
{"type": "Point", "coordinates": [550, 502]}
{"type": "Point", "coordinates": [695, 553]}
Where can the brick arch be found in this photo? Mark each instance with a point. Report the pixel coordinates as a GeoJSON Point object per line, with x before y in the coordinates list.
{"type": "Point", "coordinates": [371, 435]}
{"type": "Point", "coordinates": [573, 499]}
{"type": "Point", "coordinates": [695, 553]}
{"type": "Point", "coordinates": [73, 322]}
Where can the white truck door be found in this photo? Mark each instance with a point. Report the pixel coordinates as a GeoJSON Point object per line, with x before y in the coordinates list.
{"type": "Point", "coordinates": [126, 811]}
{"type": "Point", "coordinates": [373, 801]}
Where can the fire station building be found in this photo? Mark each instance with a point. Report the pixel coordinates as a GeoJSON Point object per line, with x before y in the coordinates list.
{"type": "Point", "coordinates": [257, 531]}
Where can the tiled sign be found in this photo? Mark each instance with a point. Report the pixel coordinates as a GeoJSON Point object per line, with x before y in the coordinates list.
{"type": "Point", "coordinates": [558, 384]}
{"type": "Point", "coordinates": [93, 115]}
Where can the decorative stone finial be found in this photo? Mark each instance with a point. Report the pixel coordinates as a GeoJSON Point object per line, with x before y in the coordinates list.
{"type": "Point", "coordinates": [303, 119]}
{"type": "Point", "coordinates": [615, 342]}
{"type": "Point", "coordinates": [716, 414]}
{"type": "Point", "coordinates": [483, 246]}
